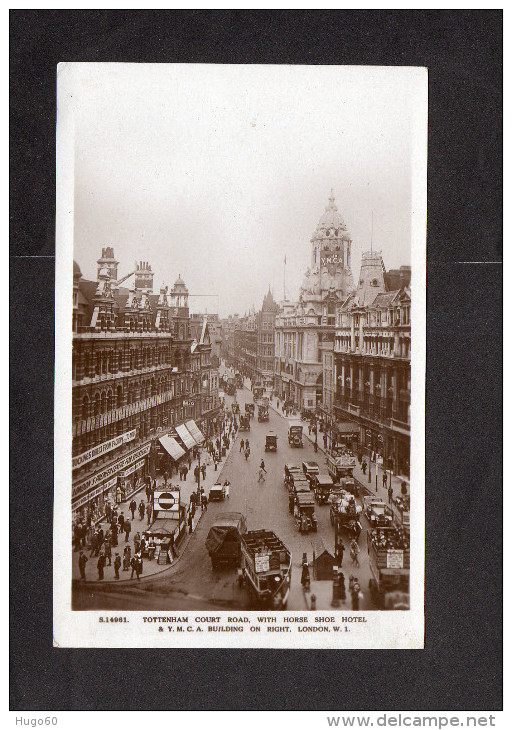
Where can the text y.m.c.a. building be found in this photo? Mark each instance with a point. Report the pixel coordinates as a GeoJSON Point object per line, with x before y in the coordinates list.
{"type": "Point", "coordinates": [137, 375]}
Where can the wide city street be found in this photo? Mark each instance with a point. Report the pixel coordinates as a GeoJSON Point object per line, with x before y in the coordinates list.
{"type": "Point", "coordinates": [191, 584]}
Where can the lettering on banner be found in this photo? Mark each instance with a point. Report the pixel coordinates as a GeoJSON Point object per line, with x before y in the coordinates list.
{"type": "Point", "coordinates": [104, 448]}
{"type": "Point", "coordinates": [111, 470]}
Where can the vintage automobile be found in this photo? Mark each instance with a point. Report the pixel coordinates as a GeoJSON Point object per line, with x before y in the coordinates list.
{"type": "Point", "coordinates": [217, 493]}
{"type": "Point", "coordinates": [271, 441]}
{"type": "Point", "coordinates": [304, 512]}
{"type": "Point", "coordinates": [322, 486]}
{"type": "Point", "coordinates": [377, 512]}
{"type": "Point", "coordinates": [310, 468]}
{"type": "Point", "coordinates": [266, 568]}
{"type": "Point", "coordinates": [223, 540]}
{"type": "Point", "coordinates": [245, 424]}
{"type": "Point", "coordinates": [295, 434]}
{"type": "Point", "coordinates": [249, 409]}
{"type": "Point", "coordinates": [289, 471]}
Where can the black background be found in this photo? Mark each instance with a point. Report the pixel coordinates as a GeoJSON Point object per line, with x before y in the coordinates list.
{"type": "Point", "coordinates": [460, 667]}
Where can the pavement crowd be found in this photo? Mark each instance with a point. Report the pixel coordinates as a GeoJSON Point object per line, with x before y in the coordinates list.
{"type": "Point", "coordinates": [104, 556]}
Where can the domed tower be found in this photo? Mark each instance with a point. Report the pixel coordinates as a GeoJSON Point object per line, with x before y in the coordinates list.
{"type": "Point", "coordinates": [179, 307]}
{"type": "Point", "coordinates": [331, 245]}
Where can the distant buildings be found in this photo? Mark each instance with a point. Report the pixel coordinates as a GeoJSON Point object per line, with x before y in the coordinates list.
{"type": "Point", "coordinates": [140, 368]}
{"type": "Point", "coordinates": [249, 342]}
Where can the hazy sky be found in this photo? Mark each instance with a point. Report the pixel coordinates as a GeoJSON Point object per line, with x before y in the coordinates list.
{"type": "Point", "coordinates": [217, 172]}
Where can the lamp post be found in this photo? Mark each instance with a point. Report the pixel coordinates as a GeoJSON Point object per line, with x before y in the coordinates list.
{"type": "Point", "coordinates": [199, 449]}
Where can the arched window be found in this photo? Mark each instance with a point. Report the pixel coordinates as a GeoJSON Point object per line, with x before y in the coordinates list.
{"type": "Point", "coordinates": [119, 396]}
{"type": "Point", "coordinates": [97, 404]}
{"type": "Point", "coordinates": [85, 407]}
{"type": "Point", "coordinates": [110, 400]}
{"type": "Point", "coordinates": [103, 402]}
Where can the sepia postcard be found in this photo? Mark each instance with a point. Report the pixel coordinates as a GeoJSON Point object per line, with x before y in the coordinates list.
{"type": "Point", "coordinates": [240, 356]}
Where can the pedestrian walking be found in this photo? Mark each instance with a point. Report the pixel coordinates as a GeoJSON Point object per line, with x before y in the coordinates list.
{"type": "Point", "coordinates": [204, 503]}
{"type": "Point", "coordinates": [247, 453]}
{"type": "Point", "coordinates": [226, 489]}
{"type": "Point", "coordinates": [261, 478]}
{"type": "Point", "coordinates": [136, 542]}
{"type": "Point", "coordinates": [385, 480]}
{"type": "Point", "coordinates": [355, 593]}
{"type": "Point", "coordinates": [132, 507]}
{"type": "Point", "coordinates": [242, 444]}
{"type": "Point", "coordinates": [354, 553]}
{"type": "Point", "coordinates": [247, 445]}
{"type": "Point", "coordinates": [127, 529]}
{"type": "Point", "coordinates": [142, 509]}
{"type": "Point", "coordinates": [120, 522]}
{"type": "Point", "coordinates": [149, 512]}
{"type": "Point", "coordinates": [117, 565]}
{"type": "Point", "coordinates": [134, 566]}
{"type": "Point", "coordinates": [127, 556]}
{"type": "Point", "coordinates": [82, 562]}
{"type": "Point", "coordinates": [113, 528]}
{"type": "Point", "coordinates": [108, 550]}
{"type": "Point", "coordinates": [185, 472]}
{"type": "Point", "coordinates": [100, 565]}
{"type": "Point", "coordinates": [108, 511]}
{"type": "Point", "coordinates": [339, 552]}
{"type": "Point", "coordinates": [262, 466]}
{"type": "Point", "coordinates": [390, 494]}
{"type": "Point", "coordinates": [196, 474]}
{"type": "Point", "coordinates": [189, 460]}
{"type": "Point", "coordinates": [203, 471]}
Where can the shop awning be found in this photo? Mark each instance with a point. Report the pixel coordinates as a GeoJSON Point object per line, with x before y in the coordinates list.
{"type": "Point", "coordinates": [185, 436]}
{"type": "Point", "coordinates": [347, 427]}
{"type": "Point", "coordinates": [193, 428]}
{"type": "Point", "coordinates": [172, 447]}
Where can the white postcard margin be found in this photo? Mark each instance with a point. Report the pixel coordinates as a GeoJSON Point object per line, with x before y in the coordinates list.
{"type": "Point", "coordinates": [365, 629]}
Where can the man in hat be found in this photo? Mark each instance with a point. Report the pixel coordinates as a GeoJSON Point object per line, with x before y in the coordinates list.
{"type": "Point", "coordinates": [82, 562]}
{"type": "Point", "coordinates": [117, 565]}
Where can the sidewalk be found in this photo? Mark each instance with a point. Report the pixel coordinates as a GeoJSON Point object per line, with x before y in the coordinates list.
{"type": "Point", "coordinates": [151, 567]}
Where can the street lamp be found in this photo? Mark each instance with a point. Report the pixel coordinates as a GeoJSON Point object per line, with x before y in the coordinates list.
{"type": "Point", "coordinates": [199, 449]}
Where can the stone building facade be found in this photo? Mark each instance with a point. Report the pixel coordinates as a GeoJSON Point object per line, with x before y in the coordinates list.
{"type": "Point", "coordinates": [136, 374]}
{"type": "Point", "coordinates": [372, 363]}
{"type": "Point", "coordinates": [304, 330]}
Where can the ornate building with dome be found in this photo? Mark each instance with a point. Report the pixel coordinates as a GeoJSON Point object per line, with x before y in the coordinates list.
{"type": "Point", "coordinates": [304, 336]}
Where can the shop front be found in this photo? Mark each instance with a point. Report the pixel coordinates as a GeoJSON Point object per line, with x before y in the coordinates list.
{"type": "Point", "coordinates": [170, 453]}
{"type": "Point", "coordinates": [114, 483]}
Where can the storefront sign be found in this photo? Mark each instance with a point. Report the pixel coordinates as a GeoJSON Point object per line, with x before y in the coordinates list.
{"type": "Point", "coordinates": [104, 448]}
{"type": "Point", "coordinates": [103, 488]}
{"type": "Point", "coordinates": [395, 559]}
{"type": "Point", "coordinates": [133, 468]}
{"type": "Point", "coordinates": [111, 470]}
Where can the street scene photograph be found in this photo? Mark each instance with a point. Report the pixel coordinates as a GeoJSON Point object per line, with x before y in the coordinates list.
{"type": "Point", "coordinates": [241, 265]}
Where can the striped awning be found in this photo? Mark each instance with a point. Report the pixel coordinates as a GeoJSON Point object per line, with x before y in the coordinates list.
{"type": "Point", "coordinates": [193, 428]}
{"type": "Point", "coordinates": [172, 447]}
{"type": "Point", "coordinates": [185, 436]}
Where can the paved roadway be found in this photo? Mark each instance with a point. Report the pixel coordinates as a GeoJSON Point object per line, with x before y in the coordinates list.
{"type": "Point", "coordinates": [191, 584]}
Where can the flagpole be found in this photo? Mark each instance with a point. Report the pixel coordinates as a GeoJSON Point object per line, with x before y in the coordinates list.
{"type": "Point", "coordinates": [284, 278]}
